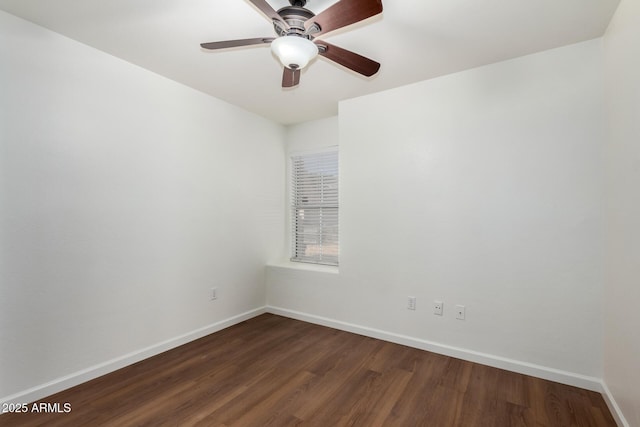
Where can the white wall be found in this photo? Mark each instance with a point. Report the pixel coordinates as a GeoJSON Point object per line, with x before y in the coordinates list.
{"type": "Point", "coordinates": [312, 135]}
{"type": "Point", "coordinates": [622, 319]}
{"type": "Point", "coordinates": [482, 188]}
{"type": "Point", "coordinates": [124, 197]}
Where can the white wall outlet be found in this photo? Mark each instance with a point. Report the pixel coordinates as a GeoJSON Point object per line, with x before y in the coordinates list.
{"type": "Point", "coordinates": [411, 303]}
{"type": "Point", "coordinates": [437, 308]}
{"type": "Point", "coordinates": [214, 294]}
{"type": "Point", "coordinates": [460, 312]}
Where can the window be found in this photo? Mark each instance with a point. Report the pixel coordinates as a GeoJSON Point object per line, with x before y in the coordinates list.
{"type": "Point", "coordinates": [314, 207]}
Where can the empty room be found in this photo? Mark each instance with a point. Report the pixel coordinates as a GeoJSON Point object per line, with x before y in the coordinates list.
{"type": "Point", "coordinates": [320, 212]}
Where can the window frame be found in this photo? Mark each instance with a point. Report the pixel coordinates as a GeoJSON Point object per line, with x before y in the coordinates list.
{"type": "Point", "coordinates": [292, 208]}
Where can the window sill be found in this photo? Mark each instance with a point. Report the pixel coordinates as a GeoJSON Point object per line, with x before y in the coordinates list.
{"type": "Point", "coordinates": [304, 266]}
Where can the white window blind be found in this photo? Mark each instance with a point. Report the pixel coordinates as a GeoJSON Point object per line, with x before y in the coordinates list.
{"type": "Point", "coordinates": [314, 208]}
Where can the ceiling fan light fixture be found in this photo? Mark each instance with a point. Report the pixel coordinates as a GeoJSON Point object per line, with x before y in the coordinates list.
{"type": "Point", "coordinates": [294, 52]}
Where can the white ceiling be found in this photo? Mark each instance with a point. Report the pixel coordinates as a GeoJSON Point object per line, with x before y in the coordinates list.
{"type": "Point", "coordinates": [413, 40]}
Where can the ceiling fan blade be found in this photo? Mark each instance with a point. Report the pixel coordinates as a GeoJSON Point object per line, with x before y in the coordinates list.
{"type": "Point", "coordinates": [341, 14]}
{"type": "Point", "coordinates": [269, 12]}
{"type": "Point", "coordinates": [290, 78]}
{"type": "Point", "coordinates": [236, 43]}
{"type": "Point", "coordinates": [353, 61]}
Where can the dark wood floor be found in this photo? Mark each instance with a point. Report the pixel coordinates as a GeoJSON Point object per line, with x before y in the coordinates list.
{"type": "Point", "coordinates": [274, 371]}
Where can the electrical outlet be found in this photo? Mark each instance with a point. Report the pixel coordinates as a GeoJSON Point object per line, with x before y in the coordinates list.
{"type": "Point", "coordinates": [460, 312]}
{"type": "Point", "coordinates": [214, 294]}
{"type": "Point", "coordinates": [437, 308]}
{"type": "Point", "coordinates": [411, 304]}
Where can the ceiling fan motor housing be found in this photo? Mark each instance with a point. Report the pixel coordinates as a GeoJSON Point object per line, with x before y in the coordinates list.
{"type": "Point", "coordinates": [295, 17]}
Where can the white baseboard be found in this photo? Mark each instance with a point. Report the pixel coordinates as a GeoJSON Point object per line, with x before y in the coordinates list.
{"type": "Point", "coordinates": [551, 374]}
{"type": "Point", "coordinates": [613, 406]}
{"type": "Point", "coordinates": [564, 377]}
{"type": "Point", "coordinates": [63, 383]}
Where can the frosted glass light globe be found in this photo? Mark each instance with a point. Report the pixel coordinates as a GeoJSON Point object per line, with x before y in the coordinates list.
{"type": "Point", "coordinates": [293, 51]}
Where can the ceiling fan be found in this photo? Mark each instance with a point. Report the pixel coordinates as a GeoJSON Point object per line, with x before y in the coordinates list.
{"type": "Point", "coordinates": [297, 29]}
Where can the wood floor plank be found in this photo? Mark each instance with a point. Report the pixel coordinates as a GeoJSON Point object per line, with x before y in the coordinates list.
{"type": "Point", "coordinates": [415, 407]}
{"type": "Point", "coordinates": [274, 371]}
{"type": "Point", "coordinates": [397, 382]}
